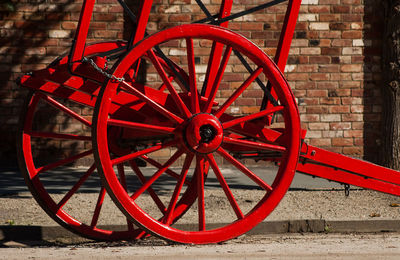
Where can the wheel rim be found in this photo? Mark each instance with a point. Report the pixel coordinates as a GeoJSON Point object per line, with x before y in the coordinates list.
{"type": "Point", "coordinates": [199, 129]}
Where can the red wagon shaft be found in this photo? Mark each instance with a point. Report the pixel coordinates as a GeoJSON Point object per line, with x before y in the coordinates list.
{"type": "Point", "coordinates": [343, 169]}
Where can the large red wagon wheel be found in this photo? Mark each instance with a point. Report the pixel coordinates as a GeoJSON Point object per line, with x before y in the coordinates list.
{"type": "Point", "coordinates": [198, 127]}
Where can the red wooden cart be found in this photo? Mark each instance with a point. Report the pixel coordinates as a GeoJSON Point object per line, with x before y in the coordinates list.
{"type": "Point", "coordinates": [182, 107]}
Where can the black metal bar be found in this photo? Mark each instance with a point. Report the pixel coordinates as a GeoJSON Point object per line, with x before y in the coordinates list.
{"type": "Point", "coordinates": [212, 18]}
{"type": "Point", "coordinates": [113, 51]}
{"type": "Point", "coordinates": [172, 67]}
{"type": "Point", "coordinates": [133, 18]}
{"type": "Point", "coordinates": [204, 8]}
{"type": "Point", "coordinates": [131, 15]}
{"type": "Point", "coordinates": [259, 82]}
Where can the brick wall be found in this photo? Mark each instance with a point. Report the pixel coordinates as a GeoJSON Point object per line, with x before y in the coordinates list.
{"type": "Point", "coordinates": [333, 69]}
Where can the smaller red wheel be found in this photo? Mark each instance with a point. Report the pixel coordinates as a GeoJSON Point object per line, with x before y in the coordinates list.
{"type": "Point", "coordinates": [198, 127]}
{"type": "Point", "coordinates": [45, 163]}
{"type": "Point", "coordinates": [44, 160]}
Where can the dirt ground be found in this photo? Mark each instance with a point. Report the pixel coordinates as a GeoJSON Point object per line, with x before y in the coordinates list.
{"type": "Point", "coordinates": [22, 209]}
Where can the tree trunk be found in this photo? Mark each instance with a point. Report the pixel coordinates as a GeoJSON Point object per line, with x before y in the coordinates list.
{"type": "Point", "coordinates": [390, 152]}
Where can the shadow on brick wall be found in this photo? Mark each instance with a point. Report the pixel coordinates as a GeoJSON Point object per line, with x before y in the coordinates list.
{"type": "Point", "coordinates": [372, 100]}
{"type": "Point", "coordinates": [25, 46]}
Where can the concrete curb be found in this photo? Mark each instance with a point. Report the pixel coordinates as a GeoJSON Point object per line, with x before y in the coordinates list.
{"type": "Point", "coordinates": [58, 233]}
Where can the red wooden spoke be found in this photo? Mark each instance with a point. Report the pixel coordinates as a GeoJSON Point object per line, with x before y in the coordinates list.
{"type": "Point", "coordinates": [254, 145]}
{"type": "Point", "coordinates": [76, 186]}
{"type": "Point", "coordinates": [122, 177]}
{"type": "Point", "coordinates": [194, 96]}
{"type": "Point", "coordinates": [137, 68]}
{"type": "Point", "coordinates": [238, 91]}
{"type": "Point", "coordinates": [127, 87]}
{"type": "Point", "coordinates": [142, 235]}
{"type": "Point", "coordinates": [182, 107]}
{"type": "Point", "coordinates": [62, 162]}
{"type": "Point", "coordinates": [262, 113]}
{"type": "Point", "coordinates": [159, 166]}
{"type": "Point", "coordinates": [99, 204]}
{"type": "Point", "coordinates": [244, 169]}
{"type": "Point", "coordinates": [134, 155]}
{"type": "Point", "coordinates": [140, 126]}
{"type": "Point", "coordinates": [200, 194]}
{"type": "Point", "coordinates": [155, 176]}
{"type": "Point", "coordinates": [225, 187]}
{"type": "Point", "coordinates": [213, 61]}
{"type": "Point", "coordinates": [178, 188]}
{"type": "Point", "coordinates": [152, 193]}
{"type": "Point", "coordinates": [59, 136]}
{"type": "Point", "coordinates": [66, 110]}
{"type": "Point", "coordinates": [218, 78]}
{"type": "Point", "coordinates": [163, 86]}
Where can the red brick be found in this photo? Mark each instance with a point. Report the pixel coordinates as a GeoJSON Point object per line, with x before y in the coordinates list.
{"type": "Point", "coordinates": [328, 2]}
{"type": "Point", "coordinates": [298, 76]}
{"type": "Point", "coordinates": [341, 9]}
{"type": "Point", "coordinates": [352, 17]}
{"type": "Point", "coordinates": [352, 34]}
{"type": "Point", "coordinates": [317, 109]}
{"type": "Point", "coordinates": [351, 68]}
{"type": "Point", "coordinates": [309, 118]}
{"type": "Point", "coordinates": [330, 51]}
{"type": "Point", "coordinates": [354, 151]}
{"type": "Point", "coordinates": [317, 93]}
{"type": "Point", "coordinates": [342, 142]}
{"type": "Point", "coordinates": [104, 17]}
{"type": "Point", "coordinates": [354, 133]}
{"type": "Point", "coordinates": [352, 117]}
{"type": "Point", "coordinates": [180, 18]}
{"type": "Point", "coordinates": [327, 85]}
{"type": "Point", "coordinates": [329, 17]}
{"type": "Point", "coordinates": [319, 59]}
{"type": "Point", "coordinates": [320, 142]}
{"type": "Point", "coordinates": [307, 68]}
{"type": "Point", "coordinates": [329, 101]}
{"type": "Point", "coordinates": [339, 109]}
{"type": "Point", "coordinates": [339, 26]}
{"type": "Point", "coordinates": [340, 126]}
{"type": "Point", "coordinates": [319, 76]}
{"type": "Point", "coordinates": [319, 8]}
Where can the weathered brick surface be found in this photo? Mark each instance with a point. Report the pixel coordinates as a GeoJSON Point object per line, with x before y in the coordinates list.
{"type": "Point", "coordinates": [333, 69]}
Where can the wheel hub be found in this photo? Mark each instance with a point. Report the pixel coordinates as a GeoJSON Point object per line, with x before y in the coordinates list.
{"type": "Point", "coordinates": [203, 133]}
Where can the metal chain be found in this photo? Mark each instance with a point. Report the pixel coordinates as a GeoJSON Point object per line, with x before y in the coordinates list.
{"type": "Point", "coordinates": [102, 71]}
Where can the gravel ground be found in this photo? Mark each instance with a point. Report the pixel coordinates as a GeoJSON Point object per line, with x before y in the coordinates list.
{"type": "Point", "coordinates": [286, 246]}
{"type": "Point", "coordinates": [22, 209]}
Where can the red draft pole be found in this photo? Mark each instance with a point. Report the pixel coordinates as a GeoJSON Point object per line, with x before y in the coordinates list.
{"type": "Point", "coordinates": [282, 51]}
{"type": "Point", "coordinates": [78, 45]}
{"type": "Point", "coordinates": [337, 167]}
{"type": "Point", "coordinates": [285, 40]}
